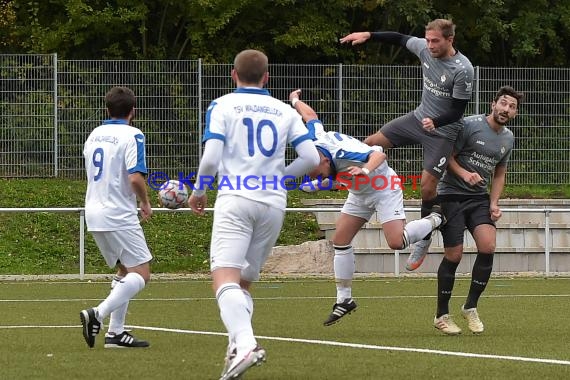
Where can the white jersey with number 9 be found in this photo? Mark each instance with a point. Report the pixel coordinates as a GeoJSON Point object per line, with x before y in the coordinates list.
{"type": "Point", "coordinates": [112, 152]}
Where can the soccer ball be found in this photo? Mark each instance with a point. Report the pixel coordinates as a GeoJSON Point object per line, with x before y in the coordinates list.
{"type": "Point", "coordinates": [173, 194]}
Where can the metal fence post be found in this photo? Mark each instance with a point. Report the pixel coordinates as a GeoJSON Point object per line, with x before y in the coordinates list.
{"type": "Point", "coordinates": [200, 127]}
{"type": "Point", "coordinates": [340, 97]}
{"type": "Point", "coordinates": [477, 94]}
{"type": "Point", "coordinates": [397, 263]}
{"type": "Point", "coordinates": [81, 244]}
{"type": "Point", "coordinates": [547, 242]}
{"type": "Point", "coordinates": [55, 119]}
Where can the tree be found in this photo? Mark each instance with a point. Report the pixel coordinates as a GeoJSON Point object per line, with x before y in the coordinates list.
{"type": "Point", "coordinates": [489, 32]}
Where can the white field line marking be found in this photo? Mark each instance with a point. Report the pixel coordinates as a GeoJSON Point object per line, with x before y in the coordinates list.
{"type": "Point", "coordinates": [371, 347]}
{"type": "Point", "coordinates": [333, 343]}
{"type": "Point", "coordinates": [38, 327]}
{"type": "Point", "coordinates": [275, 280]}
{"type": "Point", "coordinates": [291, 298]}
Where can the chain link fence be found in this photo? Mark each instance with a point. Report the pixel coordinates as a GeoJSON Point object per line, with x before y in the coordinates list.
{"type": "Point", "coordinates": [49, 106]}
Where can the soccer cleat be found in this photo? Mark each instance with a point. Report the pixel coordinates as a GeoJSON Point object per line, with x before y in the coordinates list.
{"type": "Point", "coordinates": [231, 353]}
{"type": "Point", "coordinates": [473, 321]}
{"type": "Point", "coordinates": [437, 220]}
{"type": "Point", "coordinates": [340, 310]}
{"type": "Point", "coordinates": [91, 326]}
{"type": "Point", "coordinates": [123, 340]}
{"type": "Point", "coordinates": [241, 363]}
{"type": "Point", "coordinates": [446, 325]}
{"type": "Point", "coordinates": [418, 254]}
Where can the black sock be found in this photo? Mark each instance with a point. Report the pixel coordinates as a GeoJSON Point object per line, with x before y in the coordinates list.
{"type": "Point", "coordinates": [426, 210]}
{"type": "Point", "coordinates": [445, 281]}
{"type": "Point", "coordinates": [481, 273]}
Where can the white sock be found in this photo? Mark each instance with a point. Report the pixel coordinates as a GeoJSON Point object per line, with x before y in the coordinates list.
{"type": "Point", "coordinates": [234, 313]}
{"type": "Point", "coordinates": [344, 267]}
{"type": "Point", "coordinates": [126, 289]}
{"type": "Point", "coordinates": [249, 300]}
{"type": "Point", "coordinates": [418, 229]}
{"type": "Point", "coordinates": [117, 317]}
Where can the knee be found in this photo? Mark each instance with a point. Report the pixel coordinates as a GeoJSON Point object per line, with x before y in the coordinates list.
{"type": "Point", "coordinates": [340, 242]}
{"type": "Point", "coordinates": [428, 186]}
{"type": "Point", "coordinates": [144, 272]}
{"type": "Point", "coordinates": [395, 243]}
{"type": "Point", "coordinates": [487, 248]}
{"type": "Point", "coordinates": [378, 139]}
{"type": "Point", "coordinates": [371, 140]}
{"type": "Point", "coordinates": [429, 191]}
{"type": "Point", "coordinates": [454, 257]}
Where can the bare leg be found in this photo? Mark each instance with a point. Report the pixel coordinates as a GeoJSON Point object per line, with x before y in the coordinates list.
{"type": "Point", "coordinates": [378, 139]}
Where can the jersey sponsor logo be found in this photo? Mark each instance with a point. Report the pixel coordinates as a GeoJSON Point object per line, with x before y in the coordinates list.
{"type": "Point", "coordinates": [443, 78]}
{"type": "Point", "coordinates": [436, 88]}
{"type": "Point", "coordinates": [340, 154]}
{"type": "Point", "coordinates": [503, 150]}
{"type": "Point", "coordinates": [139, 139]}
{"type": "Point", "coordinates": [435, 168]}
{"type": "Point", "coordinates": [426, 65]}
{"type": "Point", "coordinates": [468, 86]}
{"type": "Point", "coordinates": [480, 142]}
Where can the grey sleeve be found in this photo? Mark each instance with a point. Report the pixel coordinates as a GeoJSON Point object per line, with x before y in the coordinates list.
{"type": "Point", "coordinates": [463, 84]}
{"type": "Point", "coordinates": [416, 45]}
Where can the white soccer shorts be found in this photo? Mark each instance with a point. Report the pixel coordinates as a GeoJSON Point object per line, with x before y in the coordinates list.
{"type": "Point", "coordinates": [244, 233]}
{"type": "Point", "coordinates": [388, 203]}
{"type": "Point", "coordinates": [127, 246]}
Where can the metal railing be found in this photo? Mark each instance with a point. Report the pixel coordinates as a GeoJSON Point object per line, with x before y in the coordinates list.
{"type": "Point", "coordinates": [81, 211]}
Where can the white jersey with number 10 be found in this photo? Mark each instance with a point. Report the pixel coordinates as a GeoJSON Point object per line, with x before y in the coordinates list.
{"type": "Point", "coordinates": [256, 129]}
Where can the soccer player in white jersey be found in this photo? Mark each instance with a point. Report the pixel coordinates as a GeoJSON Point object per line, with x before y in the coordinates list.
{"type": "Point", "coordinates": [373, 187]}
{"type": "Point", "coordinates": [246, 135]}
{"type": "Point", "coordinates": [479, 161]}
{"type": "Point", "coordinates": [435, 123]}
{"type": "Point", "coordinates": [115, 163]}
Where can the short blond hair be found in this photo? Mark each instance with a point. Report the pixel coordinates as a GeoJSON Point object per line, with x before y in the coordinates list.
{"type": "Point", "coordinates": [447, 27]}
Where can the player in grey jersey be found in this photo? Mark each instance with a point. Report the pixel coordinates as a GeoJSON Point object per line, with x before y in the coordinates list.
{"type": "Point", "coordinates": [480, 158]}
{"type": "Point", "coordinates": [435, 123]}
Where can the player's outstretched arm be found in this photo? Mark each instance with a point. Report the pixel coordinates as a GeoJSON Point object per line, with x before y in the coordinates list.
{"type": "Point", "coordinates": [356, 38]}
{"type": "Point", "coordinates": [393, 38]}
{"type": "Point", "coordinates": [302, 108]}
